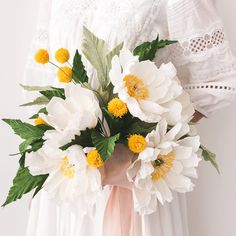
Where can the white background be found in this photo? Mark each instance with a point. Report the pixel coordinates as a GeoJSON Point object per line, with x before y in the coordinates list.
{"type": "Point", "coordinates": [212, 205]}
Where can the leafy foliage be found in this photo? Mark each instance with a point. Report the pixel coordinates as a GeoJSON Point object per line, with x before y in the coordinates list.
{"type": "Point", "coordinates": [83, 140]}
{"type": "Point", "coordinates": [42, 110]}
{"type": "Point", "coordinates": [79, 72]}
{"type": "Point", "coordinates": [54, 92]}
{"type": "Point", "coordinates": [115, 51]}
{"type": "Point", "coordinates": [96, 50]}
{"type": "Point", "coordinates": [25, 130]}
{"type": "Point", "coordinates": [147, 50]}
{"type": "Point", "coordinates": [210, 156]}
{"type": "Point", "coordinates": [23, 183]}
{"type": "Point", "coordinates": [104, 145]}
{"type": "Point", "coordinates": [42, 100]}
{"type": "Point", "coordinates": [35, 88]}
{"type": "Point", "coordinates": [140, 127]}
{"type": "Point", "coordinates": [97, 53]}
{"type": "Point", "coordinates": [24, 145]}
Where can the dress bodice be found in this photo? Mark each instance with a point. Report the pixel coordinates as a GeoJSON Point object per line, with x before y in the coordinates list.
{"type": "Point", "coordinates": [128, 21]}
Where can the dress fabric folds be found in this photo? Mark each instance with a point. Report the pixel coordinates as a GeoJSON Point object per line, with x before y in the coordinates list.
{"type": "Point", "coordinates": [206, 68]}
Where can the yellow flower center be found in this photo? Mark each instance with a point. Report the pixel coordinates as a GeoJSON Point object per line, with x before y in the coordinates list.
{"type": "Point", "coordinates": [40, 121]}
{"type": "Point", "coordinates": [137, 143]}
{"type": "Point", "coordinates": [135, 86]}
{"type": "Point", "coordinates": [64, 74]}
{"type": "Point", "coordinates": [117, 107]}
{"type": "Point", "coordinates": [66, 168]}
{"type": "Point", "coordinates": [62, 55]}
{"type": "Point", "coordinates": [94, 159]}
{"type": "Point", "coordinates": [162, 165]}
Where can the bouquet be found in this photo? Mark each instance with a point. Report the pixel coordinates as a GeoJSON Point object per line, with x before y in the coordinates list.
{"type": "Point", "coordinates": [78, 126]}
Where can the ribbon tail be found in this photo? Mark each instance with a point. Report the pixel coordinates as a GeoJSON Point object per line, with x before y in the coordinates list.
{"type": "Point", "coordinates": [119, 214]}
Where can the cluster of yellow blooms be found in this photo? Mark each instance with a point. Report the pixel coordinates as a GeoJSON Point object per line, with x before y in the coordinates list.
{"type": "Point", "coordinates": [62, 55]}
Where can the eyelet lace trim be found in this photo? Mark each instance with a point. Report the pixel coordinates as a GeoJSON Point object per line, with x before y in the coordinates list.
{"type": "Point", "coordinates": [199, 46]}
{"type": "Point", "coordinates": [210, 86]}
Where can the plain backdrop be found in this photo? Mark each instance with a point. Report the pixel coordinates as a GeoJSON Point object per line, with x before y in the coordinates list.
{"type": "Point", "coordinates": [211, 207]}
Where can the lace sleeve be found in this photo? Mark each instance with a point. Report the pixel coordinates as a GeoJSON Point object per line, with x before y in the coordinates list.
{"type": "Point", "coordinates": [36, 74]}
{"type": "Point", "coordinates": [203, 57]}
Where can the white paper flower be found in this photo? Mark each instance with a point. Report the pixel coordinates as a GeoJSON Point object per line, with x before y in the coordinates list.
{"type": "Point", "coordinates": [167, 163]}
{"type": "Point", "coordinates": [79, 110]}
{"type": "Point", "coordinates": [149, 92]}
{"type": "Point", "coordinates": [71, 180]}
{"type": "Point", "coordinates": [181, 110]}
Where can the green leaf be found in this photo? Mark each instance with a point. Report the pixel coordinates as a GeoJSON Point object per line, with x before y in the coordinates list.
{"type": "Point", "coordinates": [79, 72]}
{"type": "Point", "coordinates": [96, 50]}
{"type": "Point", "coordinates": [35, 88]}
{"type": "Point", "coordinates": [114, 52]}
{"type": "Point", "coordinates": [22, 160]}
{"type": "Point", "coordinates": [42, 100]}
{"type": "Point", "coordinates": [83, 140]}
{"type": "Point", "coordinates": [24, 146]}
{"type": "Point", "coordinates": [55, 92]}
{"type": "Point", "coordinates": [147, 50]}
{"type": "Point", "coordinates": [141, 127]}
{"type": "Point", "coordinates": [23, 183]}
{"type": "Point", "coordinates": [35, 146]}
{"type": "Point", "coordinates": [42, 110]}
{"type": "Point", "coordinates": [104, 145]}
{"type": "Point", "coordinates": [25, 130]}
{"type": "Point", "coordinates": [210, 156]}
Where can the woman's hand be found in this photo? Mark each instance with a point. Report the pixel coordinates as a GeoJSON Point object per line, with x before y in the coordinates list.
{"type": "Point", "coordinates": [114, 171]}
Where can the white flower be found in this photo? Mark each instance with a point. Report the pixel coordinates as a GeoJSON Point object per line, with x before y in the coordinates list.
{"type": "Point", "coordinates": [149, 92]}
{"type": "Point", "coordinates": [181, 110]}
{"type": "Point", "coordinates": [79, 110]}
{"type": "Point", "coordinates": [167, 163]}
{"type": "Point", "coordinates": [70, 179]}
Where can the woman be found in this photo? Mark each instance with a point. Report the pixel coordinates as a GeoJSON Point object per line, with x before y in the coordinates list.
{"type": "Point", "coordinates": [205, 66]}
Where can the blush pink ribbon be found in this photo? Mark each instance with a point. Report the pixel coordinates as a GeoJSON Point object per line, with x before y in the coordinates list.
{"type": "Point", "coordinates": [119, 217]}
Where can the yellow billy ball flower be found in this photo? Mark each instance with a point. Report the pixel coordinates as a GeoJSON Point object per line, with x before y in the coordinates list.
{"type": "Point", "coordinates": [137, 143]}
{"type": "Point", "coordinates": [117, 107]}
{"type": "Point", "coordinates": [42, 56]}
{"type": "Point", "coordinates": [62, 55]}
{"type": "Point", "coordinates": [40, 121]}
{"type": "Point", "coordinates": [64, 74]}
{"type": "Point", "coordinates": [94, 159]}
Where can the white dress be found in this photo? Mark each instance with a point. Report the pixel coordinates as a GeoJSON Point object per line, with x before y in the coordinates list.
{"type": "Point", "coordinates": [205, 66]}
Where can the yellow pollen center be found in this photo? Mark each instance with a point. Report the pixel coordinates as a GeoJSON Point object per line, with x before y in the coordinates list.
{"type": "Point", "coordinates": [162, 165]}
{"type": "Point", "coordinates": [135, 86]}
{"type": "Point", "coordinates": [66, 168]}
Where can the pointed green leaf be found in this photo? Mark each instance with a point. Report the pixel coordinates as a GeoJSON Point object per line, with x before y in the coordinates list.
{"type": "Point", "coordinates": [96, 50]}
{"type": "Point", "coordinates": [42, 100]}
{"type": "Point", "coordinates": [210, 156]}
{"type": "Point", "coordinates": [55, 92]}
{"type": "Point", "coordinates": [141, 127]}
{"type": "Point", "coordinates": [35, 88]}
{"type": "Point", "coordinates": [79, 72]}
{"type": "Point", "coordinates": [24, 146]}
{"type": "Point", "coordinates": [25, 130]}
{"type": "Point", "coordinates": [104, 145]}
{"type": "Point", "coordinates": [83, 140]}
{"type": "Point", "coordinates": [23, 183]}
{"type": "Point", "coordinates": [114, 52]}
{"type": "Point", "coordinates": [42, 110]}
{"type": "Point", "coordinates": [147, 50]}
